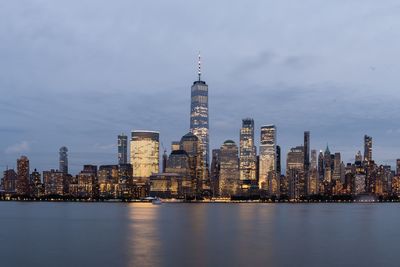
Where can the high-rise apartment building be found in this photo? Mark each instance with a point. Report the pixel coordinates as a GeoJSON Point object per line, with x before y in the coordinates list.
{"type": "Point", "coordinates": [122, 149]}
{"type": "Point", "coordinates": [267, 159]}
{"type": "Point", "coordinates": [247, 151]}
{"type": "Point", "coordinates": [63, 160]}
{"type": "Point", "coordinates": [367, 148]}
{"type": "Point", "coordinates": [144, 154]}
{"type": "Point", "coordinates": [22, 183]}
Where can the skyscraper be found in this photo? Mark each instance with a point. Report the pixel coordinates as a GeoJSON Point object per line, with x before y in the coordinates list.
{"type": "Point", "coordinates": [247, 150]}
{"type": "Point", "coordinates": [229, 169]}
{"type": "Point", "coordinates": [267, 155]}
{"type": "Point", "coordinates": [192, 145]}
{"type": "Point", "coordinates": [144, 154]}
{"type": "Point", "coordinates": [199, 114]}
{"type": "Point", "coordinates": [295, 172]}
{"type": "Point", "coordinates": [313, 174]}
{"type": "Point", "coordinates": [367, 148]}
{"type": "Point", "coordinates": [278, 161]}
{"type": "Point", "coordinates": [306, 150]}
{"type": "Point", "coordinates": [306, 146]}
{"type": "Point", "coordinates": [63, 164]}
{"type": "Point", "coordinates": [122, 149]}
{"type": "Point", "coordinates": [22, 183]}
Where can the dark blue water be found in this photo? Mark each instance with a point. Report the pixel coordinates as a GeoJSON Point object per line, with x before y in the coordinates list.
{"type": "Point", "coordinates": [117, 234]}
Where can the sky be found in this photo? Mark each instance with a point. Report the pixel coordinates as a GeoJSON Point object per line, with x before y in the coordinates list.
{"type": "Point", "coordinates": [77, 73]}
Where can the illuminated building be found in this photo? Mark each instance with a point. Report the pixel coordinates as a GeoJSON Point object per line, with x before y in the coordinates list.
{"type": "Point", "coordinates": [63, 160]}
{"type": "Point", "coordinates": [327, 165]}
{"type": "Point", "coordinates": [247, 151]}
{"type": "Point", "coordinates": [122, 149]}
{"type": "Point", "coordinates": [9, 181]}
{"type": "Point", "coordinates": [22, 183]}
{"type": "Point", "coordinates": [295, 172]}
{"type": "Point", "coordinates": [367, 148]}
{"type": "Point", "coordinates": [87, 182]}
{"type": "Point", "coordinates": [192, 145]}
{"type": "Point", "coordinates": [359, 184]}
{"type": "Point", "coordinates": [321, 168]}
{"type": "Point", "coordinates": [125, 180]}
{"type": "Point", "coordinates": [108, 180]}
{"type": "Point", "coordinates": [144, 154]}
{"type": "Point", "coordinates": [337, 167]}
{"type": "Point", "coordinates": [199, 116]}
{"type": "Point", "coordinates": [36, 184]}
{"type": "Point", "coordinates": [396, 185]}
{"type": "Point", "coordinates": [229, 169]}
{"type": "Point", "coordinates": [170, 185]}
{"type": "Point", "coordinates": [267, 159]}
{"type": "Point", "coordinates": [313, 174]}
{"type": "Point", "coordinates": [54, 182]}
{"type": "Point", "coordinates": [306, 146]}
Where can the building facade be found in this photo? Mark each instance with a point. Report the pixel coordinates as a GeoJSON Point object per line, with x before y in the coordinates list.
{"type": "Point", "coordinates": [267, 158]}
{"type": "Point", "coordinates": [144, 154]}
{"type": "Point", "coordinates": [229, 169]}
{"type": "Point", "coordinates": [248, 154]}
{"type": "Point", "coordinates": [122, 149]}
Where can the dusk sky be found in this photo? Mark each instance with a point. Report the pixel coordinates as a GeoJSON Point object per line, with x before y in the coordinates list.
{"type": "Point", "coordinates": [78, 73]}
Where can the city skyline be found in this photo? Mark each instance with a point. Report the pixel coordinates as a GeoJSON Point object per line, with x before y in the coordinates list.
{"type": "Point", "coordinates": [286, 76]}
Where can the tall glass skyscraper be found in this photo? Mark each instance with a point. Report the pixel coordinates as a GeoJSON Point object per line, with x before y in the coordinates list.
{"type": "Point", "coordinates": [122, 149]}
{"type": "Point", "coordinates": [63, 160]}
{"type": "Point", "coordinates": [247, 151]}
{"type": "Point", "coordinates": [229, 169]}
{"type": "Point", "coordinates": [145, 148]}
{"type": "Point", "coordinates": [267, 155]}
{"type": "Point", "coordinates": [367, 148]}
{"type": "Point", "coordinates": [199, 115]}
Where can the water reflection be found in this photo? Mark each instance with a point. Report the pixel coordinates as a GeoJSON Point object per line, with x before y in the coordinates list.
{"type": "Point", "coordinates": [143, 235]}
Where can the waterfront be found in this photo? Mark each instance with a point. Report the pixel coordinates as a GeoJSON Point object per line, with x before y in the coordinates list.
{"type": "Point", "coordinates": [180, 234]}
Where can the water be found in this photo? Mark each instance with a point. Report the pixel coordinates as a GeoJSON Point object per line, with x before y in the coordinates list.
{"type": "Point", "coordinates": [141, 234]}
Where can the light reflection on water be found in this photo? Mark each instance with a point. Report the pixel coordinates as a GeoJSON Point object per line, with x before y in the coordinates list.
{"type": "Point", "coordinates": [142, 234]}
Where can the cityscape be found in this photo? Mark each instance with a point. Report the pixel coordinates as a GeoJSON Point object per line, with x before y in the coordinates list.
{"type": "Point", "coordinates": [191, 172]}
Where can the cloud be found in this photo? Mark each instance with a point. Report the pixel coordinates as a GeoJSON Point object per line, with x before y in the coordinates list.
{"type": "Point", "coordinates": [21, 147]}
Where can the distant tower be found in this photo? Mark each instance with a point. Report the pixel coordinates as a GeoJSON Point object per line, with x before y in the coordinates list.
{"type": "Point", "coordinates": [321, 168]}
{"type": "Point", "coordinates": [63, 160]}
{"type": "Point", "coordinates": [199, 114]}
{"type": "Point", "coordinates": [247, 151]}
{"type": "Point", "coordinates": [278, 161]}
{"type": "Point", "coordinates": [122, 149]}
{"type": "Point", "coordinates": [22, 182]}
{"type": "Point", "coordinates": [306, 151]}
{"type": "Point", "coordinates": [267, 159]}
{"type": "Point", "coordinates": [367, 148]}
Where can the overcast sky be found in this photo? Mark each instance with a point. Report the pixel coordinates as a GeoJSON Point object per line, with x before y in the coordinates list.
{"type": "Point", "coordinates": [77, 73]}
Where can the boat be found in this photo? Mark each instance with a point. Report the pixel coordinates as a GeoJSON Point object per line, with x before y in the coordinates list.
{"type": "Point", "coordinates": [156, 201]}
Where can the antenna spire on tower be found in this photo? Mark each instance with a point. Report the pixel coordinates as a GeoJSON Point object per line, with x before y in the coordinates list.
{"type": "Point", "coordinates": [199, 67]}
